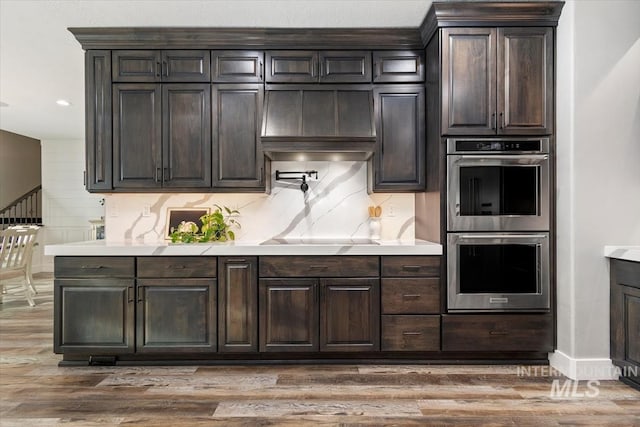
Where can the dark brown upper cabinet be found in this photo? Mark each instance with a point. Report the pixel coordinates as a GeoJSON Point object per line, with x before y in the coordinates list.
{"type": "Point", "coordinates": [161, 66]}
{"type": "Point", "coordinates": [161, 135]}
{"type": "Point", "coordinates": [237, 66]}
{"type": "Point", "coordinates": [351, 66]}
{"type": "Point", "coordinates": [398, 66]}
{"type": "Point", "coordinates": [399, 163]}
{"type": "Point", "coordinates": [305, 66]}
{"type": "Point", "coordinates": [98, 120]}
{"type": "Point", "coordinates": [236, 111]}
{"type": "Point", "coordinates": [497, 81]}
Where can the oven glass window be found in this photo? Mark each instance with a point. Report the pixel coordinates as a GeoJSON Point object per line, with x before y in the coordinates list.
{"type": "Point", "coordinates": [499, 190]}
{"type": "Point", "coordinates": [498, 268]}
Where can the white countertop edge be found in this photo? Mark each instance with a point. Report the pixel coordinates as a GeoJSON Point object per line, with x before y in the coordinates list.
{"type": "Point", "coordinates": [627, 253]}
{"type": "Point", "coordinates": [102, 248]}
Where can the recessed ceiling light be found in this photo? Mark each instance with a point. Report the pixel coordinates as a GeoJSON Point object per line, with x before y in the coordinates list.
{"type": "Point", "coordinates": [63, 102]}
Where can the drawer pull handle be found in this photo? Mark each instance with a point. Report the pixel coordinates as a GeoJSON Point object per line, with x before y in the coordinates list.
{"type": "Point", "coordinates": [238, 260]}
{"type": "Point", "coordinates": [318, 267]}
{"type": "Point", "coordinates": [411, 267]}
{"type": "Point", "coordinates": [176, 267]}
{"type": "Point", "coordinates": [412, 333]}
{"type": "Point", "coordinates": [92, 267]}
{"type": "Point", "coordinates": [498, 333]}
{"type": "Point", "coordinates": [411, 296]}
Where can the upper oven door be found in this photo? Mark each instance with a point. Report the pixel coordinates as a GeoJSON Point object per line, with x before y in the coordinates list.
{"type": "Point", "coordinates": [497, 192]}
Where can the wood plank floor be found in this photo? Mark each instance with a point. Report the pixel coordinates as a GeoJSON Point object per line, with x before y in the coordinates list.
{"type": "Point", "coordinates": [34, 391]}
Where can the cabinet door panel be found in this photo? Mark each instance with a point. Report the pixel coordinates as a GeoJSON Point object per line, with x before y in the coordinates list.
{"type": "Point", "coordinates": [288, 315]}
{"type": "Point", "coordinates": [137, 136]}
{"type": "Point", "coordinates": [94, 316]}
{"type": "Point", "coordinates": [238, 304]}
{"type": "Point", "coordinates": [350, 315]}
{"type": "Point", "coordinates": [136, 65]}
{"type": "Point", "coordinates": [186, 123]}
{"type": "Point", "coordinates": [400, 137]}
{"type": "Point", "coordinates": [238, 160]}
{"type": "Point", "coordinates": [98, 120]}
{"type": "Point", "coordinates": [186, 66]}
{"type": "Point", "coordinates": [525, 81]}
{"type": "Point", "coordinates": [176, 315]}
{"type": "Point", "coordinates": [291, 66]}
{"type": "Point", "coordinates": [230, 66]}
{"type": "Point", "coordinates": [468, 81]}
{"type": "Point", "coordinates": [397, 66]}
{"type": "Point", "coordinates": [345, 66]}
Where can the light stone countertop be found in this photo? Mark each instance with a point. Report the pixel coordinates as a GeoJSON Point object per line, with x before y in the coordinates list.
{"type": "Point", "coordinates": [627, 253]}
{"type": "Point", "coordinates": [242, 248]}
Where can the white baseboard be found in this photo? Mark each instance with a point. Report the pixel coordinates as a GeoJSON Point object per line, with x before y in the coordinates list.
{"type": "Point", "coordinates": [583, 369]}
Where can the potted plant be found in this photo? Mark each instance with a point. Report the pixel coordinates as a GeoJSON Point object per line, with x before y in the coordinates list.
{"type": "Point", "coordinates": [216, 227]}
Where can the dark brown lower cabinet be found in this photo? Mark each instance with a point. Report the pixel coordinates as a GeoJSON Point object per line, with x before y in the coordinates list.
{"type": "Point", "coordinates": [349, 315]}
{"type": "Point", "coordinates": [497, 332]}
{"type": "Point", "coordinates": [238, 304]}
{"type": "Point", "coordinates": [176, 315]}
{"type": "Point", "coordinates": [625, 319]}
{"type": "Point", "coordinates": [288, 315]}
{"type": "Point", "coordinates": [94, 316]}
{"type": "Point", "coordinates": [410, 333]}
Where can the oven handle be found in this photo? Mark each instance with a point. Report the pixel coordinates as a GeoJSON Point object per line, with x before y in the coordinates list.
{"type": "Point", "coordinates": [502, 236]}
{"type": "Point", "coordinates": [504, 157]}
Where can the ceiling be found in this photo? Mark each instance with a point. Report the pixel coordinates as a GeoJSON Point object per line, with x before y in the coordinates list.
{"type": "Point", "coordinates": [41, 62]}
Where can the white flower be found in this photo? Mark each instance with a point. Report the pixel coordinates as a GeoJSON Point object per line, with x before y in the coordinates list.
{"type": "Point", "coordinates": [187, 227]}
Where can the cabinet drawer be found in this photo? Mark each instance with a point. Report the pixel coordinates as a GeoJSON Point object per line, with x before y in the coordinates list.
{"type": "Point", "coordinates": [497, 332]}
{"type": "Point", "coordinates": [625, 272]}
{"type": "Point", "coordinates": [410, 296]}
{"type": "Point", "coordinates": [199, 266]}
{"type": "Point", "coordinates": [94, 266]}
{"type": "Point", "coordinates": [318, 266]}
{"type": "Point", "coordinates": [415, 266]}
{"type": "Point", "coordinates": [410, 333]}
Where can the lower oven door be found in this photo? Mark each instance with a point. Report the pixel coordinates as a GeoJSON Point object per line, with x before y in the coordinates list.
{"type": "Point", "coordinates": [498, 271]}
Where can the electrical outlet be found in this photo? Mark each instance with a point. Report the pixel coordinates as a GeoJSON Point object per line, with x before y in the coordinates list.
{"type": "Point", "coordinates": [146, 210]}
{"type": "Point", "coordinates": [391, 211]}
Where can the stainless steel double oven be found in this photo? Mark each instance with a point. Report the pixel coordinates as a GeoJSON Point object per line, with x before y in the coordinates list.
{"type": "Point", "coordinates": [498, 222]}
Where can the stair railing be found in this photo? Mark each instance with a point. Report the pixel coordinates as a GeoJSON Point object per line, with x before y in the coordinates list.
{"type": "Point", "coordinates": [25, 210]}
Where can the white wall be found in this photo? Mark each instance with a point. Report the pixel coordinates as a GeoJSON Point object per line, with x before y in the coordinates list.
{"type": "Point", "coordinates": [598, 140]}
{"type": "Point", "coordinates": [67, 206]}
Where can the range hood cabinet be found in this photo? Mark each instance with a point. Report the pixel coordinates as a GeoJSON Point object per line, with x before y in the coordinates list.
{"type": "Point", "coordinates": [318, 122]}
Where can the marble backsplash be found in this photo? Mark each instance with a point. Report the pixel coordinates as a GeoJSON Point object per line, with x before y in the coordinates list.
{"type": "Point", "coordinates": [334, 206]}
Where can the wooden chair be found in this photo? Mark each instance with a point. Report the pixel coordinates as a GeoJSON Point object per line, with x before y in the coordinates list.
{"type": "Point", "coordinates": [16, 249]}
